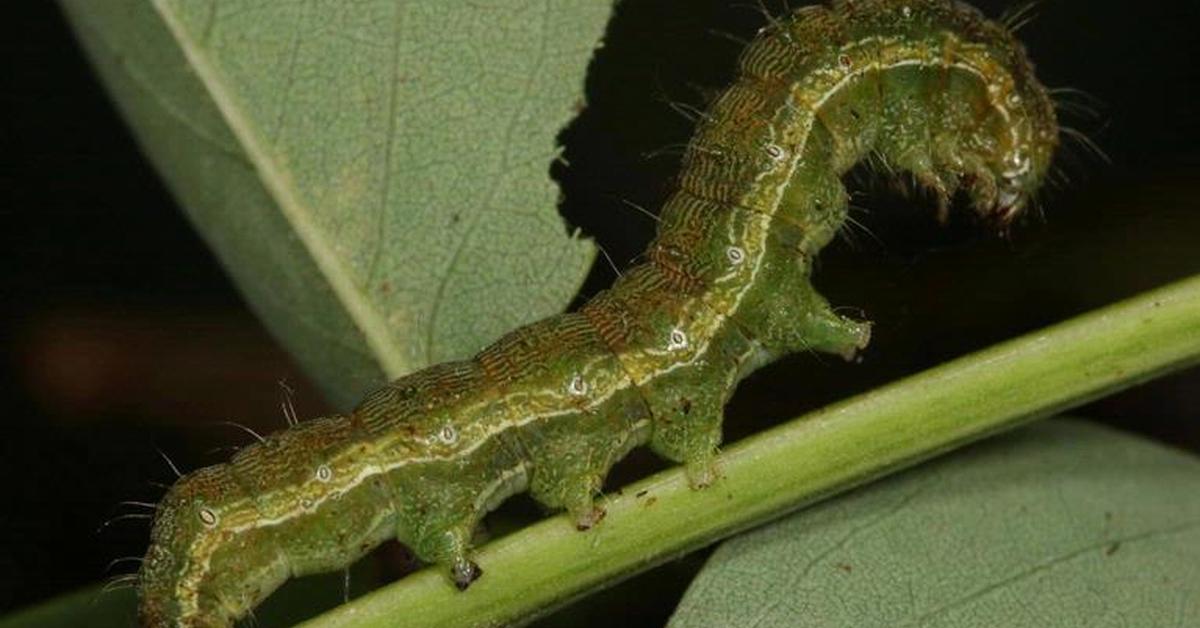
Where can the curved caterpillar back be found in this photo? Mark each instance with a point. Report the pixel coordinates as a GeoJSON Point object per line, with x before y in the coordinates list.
{"type": "Point", "coordinates": [930, 87]}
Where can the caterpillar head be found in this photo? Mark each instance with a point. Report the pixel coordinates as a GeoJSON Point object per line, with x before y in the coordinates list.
{"type": "Point", "coordinates": [997, 155]}
{"type": "Point", "coordinates": [1014, 153]}
{"type": "Point", "coordinates": [1020, 166]}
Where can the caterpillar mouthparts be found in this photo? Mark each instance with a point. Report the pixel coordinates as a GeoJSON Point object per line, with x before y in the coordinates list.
{"type": "Point", "coordinates": [928, 87]}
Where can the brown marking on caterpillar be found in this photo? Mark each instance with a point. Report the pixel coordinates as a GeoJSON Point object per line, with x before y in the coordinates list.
{"type": "Point", "coordinates": [930, 87]}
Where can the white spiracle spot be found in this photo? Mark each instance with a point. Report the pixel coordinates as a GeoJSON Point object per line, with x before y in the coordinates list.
{"type": "Point", "coordinates": [736, 255]}
{"type": "Point", "coordinates": [776, 152]}
{"type": "Point", "coordinates": [448, 434]}
{"type": "Point", "coordinates": [678, 340]}
{"type": "Point", "coordinates": [207, 517]}
{"type": "Point", "coordinates": [577, 386]}
{"type": "Point", "coordinates": [324, 473]}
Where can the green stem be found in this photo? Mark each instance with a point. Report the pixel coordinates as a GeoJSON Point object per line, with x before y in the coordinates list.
{"type": "Point", "coordinates": [548, 564]}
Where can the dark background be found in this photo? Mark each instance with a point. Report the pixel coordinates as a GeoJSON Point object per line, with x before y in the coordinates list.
{"type": "Point", "coordinates": [121, 334]}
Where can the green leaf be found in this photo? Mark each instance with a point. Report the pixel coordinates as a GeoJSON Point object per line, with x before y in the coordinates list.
{"type": "Point", "coordinates": [374, 175]}
{"type": "Point", "coordinates": [1060, 524]}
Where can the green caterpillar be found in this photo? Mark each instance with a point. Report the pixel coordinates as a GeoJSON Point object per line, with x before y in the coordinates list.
{"type": "Point", "coordinates": [929, 87]}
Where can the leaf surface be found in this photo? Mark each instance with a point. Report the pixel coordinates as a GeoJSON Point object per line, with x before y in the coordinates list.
{"type": "Point", "coordinates": [372, 174]}
{"type": "Point", "coordinates": [1059, 524]}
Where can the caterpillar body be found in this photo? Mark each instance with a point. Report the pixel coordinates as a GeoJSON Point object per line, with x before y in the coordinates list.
{"type": "Point", "coordinates": [929, 87]}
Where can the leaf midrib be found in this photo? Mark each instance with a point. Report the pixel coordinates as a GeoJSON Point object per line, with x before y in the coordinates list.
{"type": "Point", "coordinates": [354, 300]}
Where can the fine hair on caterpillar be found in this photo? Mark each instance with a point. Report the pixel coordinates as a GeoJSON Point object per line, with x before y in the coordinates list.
{"type": "Point", "coordinates": [929, 88]}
